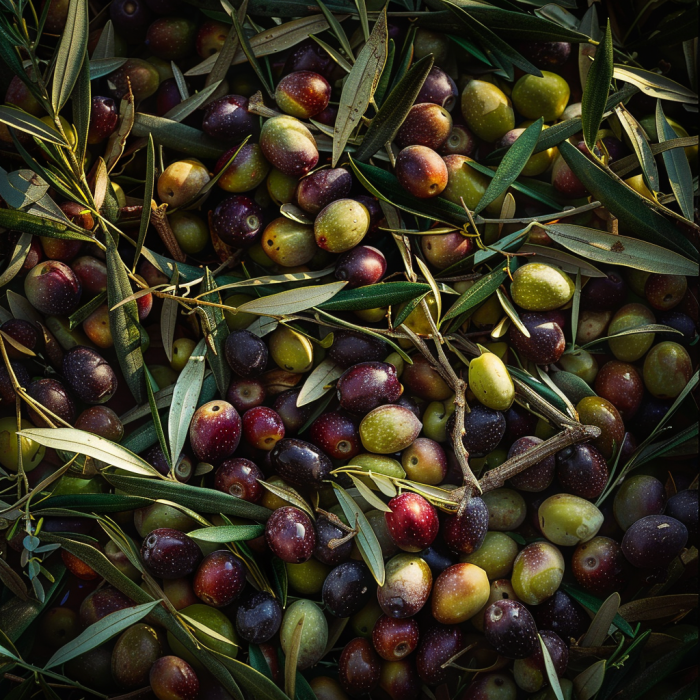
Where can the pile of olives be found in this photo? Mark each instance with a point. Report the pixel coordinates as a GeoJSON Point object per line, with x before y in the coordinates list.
{"type": "Point", "coordinates": [426, 590]}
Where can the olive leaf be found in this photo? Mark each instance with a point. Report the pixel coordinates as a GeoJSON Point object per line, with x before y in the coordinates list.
{"type": "Point", "coordinates": [655, 85]}
{"type": "Point", "coordinates": [594, 604]}
{"type": "Point", "coordinates": [369, 495]}
{"type": "Point", "coordinates": [360, 85]}
{"type": "Point", "coordinates": [105, 44]}
{"type": "Point", "coordinates": [30, 124]}
{"type": "Point", "coordinates": [677, 165]}
{"type": "Point", "coordinates": [590, 681]}
{"type": "Point", "coordinates": [600, 626]}
{"type": "Point", "coordinates": [218, 330]}
{"type": "Point", "coordinates": [394, 110]}
{"type": "Point", "coordinates": [638, 138]}
{"type": "Point", "coordinates": [179, 137]}
{"type": "Point", "coordinates": [17, 258]}
{"type": "Point", "coordinates": [81, 102]}
{"type": "Point", "coordinates": [620, 250]}
{"type": "Point", "coordinates": [100, 632]}
{"type": "Point", "coordinates": [479, 292]}
{"type": "Point", "coordinates": [337, 30]}
{"type": "Point", "coordinates": [124, 324]}
{"type": "Point", "coordinates": [630, 208]}
{"type": "Point", "coordinates": [147, 198]}
{"type": "Point", "coordinates": [366, 540]}
{"type": "Point", "coordinates": [319, 382]}
{"type": "Point", "coordinates": [289, 494]}
{"type": "Point", "coordinates": [512, 165]}
{"type": "Point", "coordinates": [223, 534]}
{"type": "Point", "coordinates": [560, 258]}
{"type": "Point", "coordinates": [201, 500]}
{"type": "Point", "coordinates": [184, 400]}
{"type": "Point", "coordinates": [168, 318]}
{"type": "Point", "coordinates": [551, 671]}
{"type": "Point", "coordinates": [73, 440]}
{"type": "Point", "coordinates": [292, 301]}
{"type": "Point", "coordinates": [290, 668]}
{"type": "Point", "coordinates": [595, 93]}
{"type": "Point", "coordinates": [71, 52]}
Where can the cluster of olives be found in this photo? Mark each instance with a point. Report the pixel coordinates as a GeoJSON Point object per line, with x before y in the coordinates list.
{"type": "Point", "coordinates": [483, 588]}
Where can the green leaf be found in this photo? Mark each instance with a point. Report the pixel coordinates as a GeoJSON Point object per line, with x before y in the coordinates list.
{"type": "Point", "coordinates": [337, 30]}
{"type": "Point", "coordinates": [512, 165]}
{"type": "Point", "coordinates": [237, 16]}
{"type": "Point", "coordinates": [590, 681]}
{"type": "Point", "coordinates": [600, 626]}
{"type": "Point", "coordinates": [16, 614]}
{"type": "Point", "coordinates": [219, 333]}
{"type": "Point", "coordinates": [289, 494]}
{"type": "Point", "coordinates": [105, 44]}
{"type": "Point", "coordinates": [630, 208]}
{"type": "Point", "coordinates": [184, 401]}
{"type": "Point", "coordinates": [124, 324]}
{"type": "Point", "coordinates": [647, 328]}
{"type": "Point", "coordinates": [551, 671]}
{"type": "Point", "coordinates": [479, 292]}
{"type": "Point", "coordinates": [223, 534]}
{"type": "Point", "coordinates": [258, 661]}
{"type": "Point", "coordinates": [383, 84]}
{"type": "Point", "coordinates": [72, 49]}
{"type": "Point", "coordinates": [256, 684]}
{"type": "Point", "coordinates": [179, 137]}
{"type": "Point", "coordinates": [30, 124]}
{"type": "Point", "coordinates": [104, 66]}
{"type": "Point", "coordinates": [595, 94]}
{"type": "Point", "coordinates": [393, 112]}
{"type": "Point", "coordinates": [360, 85]}
{"type": "Point", "coordinates": [96, 502]}
{"type": "Point", "coordinates": [84, 443]}
{"type": "Point", "coordinates": [366, 540]}
{"type": "Point", "coordinates": [319, 382]}
{"type": "Point", "coordinates": [638, 138]}
{"type": "Point", "coordinates": [655, 85]}
{"type": "Point", "coordinates": [491, 42]}
{"type": "Point", "coordinates": [100, 632]}
{"type": "Point", "coordinates": [677, 165]}
{"type": "Point", "coordinates": [201, 500]}
{"type": "Point", "coordinates": [385, 186]}
{"type": "Point", "coordinates": [155, 416]}
{"type": "Point", "coordinates": [147, 198]}
{"type": "Point", "coordinates": [291, 658]}
{"type": "Point", "coordinates": [19, 255]}
{"type": "Point", "coordinates": [601, 246]}
{"type": "Point", "coordinates": [81, 102]}
{"type": "Point", "coordinates": [594, 604]}
{"type": "Point", "coordinates": [375, 295]}
{"type": "Point", "coordinates": [292, 301]}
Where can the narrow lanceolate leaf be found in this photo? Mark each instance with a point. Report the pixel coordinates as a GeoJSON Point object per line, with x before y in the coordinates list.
{"type": "Point", "coordinates": [595, 94]}
{"type": "Point", "coordinates": [184, 401]}
{"type": "Point", "coordinates": [100, 632]}
{"type": "Point", "coordinates": [594, 604]}
{"type": "Point", "coordinates": [369, 495]}
{"type": "Point", "coordinates": [150, 382]}
{"type": "Point", "coordinates": [74, 440]}
{"type": "Point", "coordinates": [105, 44]}
{"type": "Point", "coordinates": [179, 137]}
{"type": "Point", "coordinates": [641, 147]}
{"type": "Point", "coordinates": [147, 197]}
{"type": "Point", "coordinates": [217, 334]}
{"type": "Point", "coordinates": [620, 250]}
{"type": "Point", "coordinates": [677, 165]}
{"type": "Point", "coordinates": [201, 500]}
{"type": "Point", "coordinates": [512, 165]}
{"type": "Point", "coordinates": [71, 52]}
{"type": "Point", "coordinates": [375, 295]}
{"type": "Point", "coordinates": [104, 66]}
{"type": "Point", "coordinates": [590, 681]}
{"type": "Point", "coordinates": [292, 301]}
{"type": "Point", "coordinates": [367, 542]}
{"type": "Point", "coordinates": [124, 324]}
{"type": "Point", "coordinates": [589, 26]}
{"type": "Point", "coordinates": [360, 85]}
{"type": "Point", "coordinates": [168, 318]}
{"type": "Point", "coordinates": [289, 494]}
{"type": "Point", "coordinates": [30, 124]}
{"type": "Point", "coordinates": [551, 671]}
{"type": "Point", "coordinates": [81, 103]}
{"type": "Point", "coordinates": [290, 667]}
{"type": "Point", "coordinates": [319, 382]}
{"type": "Point", "coordinates": [633, 210]}
{"type": "Point", "coordinates": [193, 102]}
{"type": "Point", "coordinates": [337, 30]}
{"type": "Point", "coordinates": [394, 110]}
{"type": "Point", "coordinates": [17, 259]}
{"type": "Point", "coordinates": [223, 534]}
{"type": "Point", "coordinates": [600, 626]}
{"type": "Point", "coordinates": [655, 85]}
{"type": "Point", "coordinates": [480, 291]}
